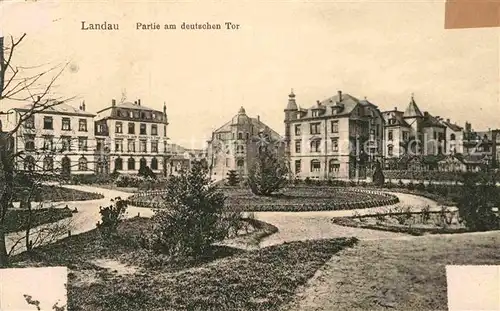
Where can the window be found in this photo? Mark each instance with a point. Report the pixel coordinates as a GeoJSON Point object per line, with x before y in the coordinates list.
{"type": "Point", "coordinates": [119, 164]}
{"type": "Point", "coordinates": [154, 129]}
{"type": "Point", "coordinates": [240, 135]}
{"type": "Point", "coordinates": [119, 127]}
{"type": "Point", "coordinates": [239, 149]}
{"type": "Point", "coordinates": [100, 144]}
{"type": "Point", "coordinates": [298, 144]}
{"type": "Point", "coordinates": [119, 145]}
{"type": "Point", "coordinates": [390, 135]}
{"type": "Point", "coordinates": [154, 164]}
{"type": "Point", "coordinates": [315, 145]}
{"type": "Point", "coordinates": [240, 163]}
{"type": "Point", "coordinates": [30, 122]}
{"type": "Point", "coordinates": [154, 146]}
{"type": "Point", "coordinates": [29, 142]}
{"type": "Point", "coordinates": [48, 123]}
{"type": "Point", "coordinates": [297, 130]}
{"type": "Point", "coordinates": [142, 163]}
{"type": "Point", "coordinates": [405, 135]}
{"type": "Point", "coordinates": [248, 135]}
{"type": "Point", "coordinates": [165, 146]}
{"type": "Point", "coordinates": [298, 166]}
{"type": "Point", "coordinates": [82, 164]}
{"type": "Point", "coordinates": [435, 135]}
{"type": "Point", "coordinates": [48, 142]}
{"type": "Point", "coordinates": [66, 143]}
{"type": "Point", "coordinates": [227, 162]}
{"type": "Point", "coordinates": [82, 143]}
{"type": "Point", "coordinates": [315, 128]}
{"type": "Point", "coordinates": [143, 145]}
{"type": "Point", "coordinates": [82, 125]}
{"type": "Point", "coordinates": [334, 166]}
{"type": "Point", "coordinates": [48, 163]}
{"type": "Point", "coordinates": [131, 128]}
{"type": "Point", "coordinates": [315, 113]}
{"type": "Point", "coordinates": [390, 151]}
{"type": "Point", "coordinates": [29, 163]}
{"type": "Point", "coordinates": [66, 124]}
{"type": "Point", "coordinates": [164, 131]}
{"type": "Point", "coordinates": [315, 166]}
{"type": "Point", "coordinates": [452, 137]}
{"type": "Point", "coordinates": [131, 164]}
{"type": "Point", "coordinates": [142, 129]}
{"type": "Point", "coordinates": [131, 145]}
{"type": "Point", "coordinates": [335, 144]}
{"type": "Point", "coordinates": [335, 126]}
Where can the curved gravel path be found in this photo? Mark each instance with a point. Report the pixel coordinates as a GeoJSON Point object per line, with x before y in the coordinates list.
{"type": "Point", "coordinates": [297, 226]}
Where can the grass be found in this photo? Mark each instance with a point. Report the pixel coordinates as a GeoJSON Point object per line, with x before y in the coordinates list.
{"type": "Point", "coordinates": [231, 279]}
{"type": "Point", "coordinates": [406, 274]}
{"type": "Point", "coordinates": [60, 194]}
{"type": "Point", "coordinates": [17, 218]}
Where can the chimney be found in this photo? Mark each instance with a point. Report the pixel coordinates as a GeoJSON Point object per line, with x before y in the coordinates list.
{"type": "Point", "coordinates": [340, 95]}
{"type": "Point", "coordinates": [113, 102]}
{"type": "Point", "coordinates": [83, 106]}
{"type": "Point", "coordinates": [135, 102]}
{"type": "Point", "coordinates": [139, 102]}
{"type": "Point", "coordinates": [448, 120]}
{"type": "Point", "coordinates": [318, 102]}
{"type": "Point", "coordinates": [395, 108]}
{"type": "Point", "coordinates": [258, 118]}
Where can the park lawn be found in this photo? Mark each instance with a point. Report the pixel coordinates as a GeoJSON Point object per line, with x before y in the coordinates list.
{"type": "Point", "coordinates": [232, 279]}
{"type": "Point", "coordinates": [397, 274]}
{"type": "Point", "coordinates": [17, 218]}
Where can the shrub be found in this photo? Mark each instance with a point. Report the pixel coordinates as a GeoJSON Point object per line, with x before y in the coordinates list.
{"type": "Point", "coordinates": [474, 205]}
{"type": "Point", "coordinates": [411, 186]}
{"type": "Point", "coordinates": [308, 181]}
{"type": "Point", "coordinates": [232, 178]}
{"type": "Point", "coordinates": [268, 174]}
{"type": "Point", "coordinates": [146, 172]}
{"type": "Point", "coordinates": [196, 217]}
{"type": "Point", "coordinates": [111, 216]}
{"type": "Point", "coordinates": [378, 175]}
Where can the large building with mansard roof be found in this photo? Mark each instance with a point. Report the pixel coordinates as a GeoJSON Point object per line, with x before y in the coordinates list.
{"type": "Point", "coordinates": [234, 145]}
{"type": "Point", "coordinates": [130, 135]}
{"type": "Point", "coordinates": [337, 137]}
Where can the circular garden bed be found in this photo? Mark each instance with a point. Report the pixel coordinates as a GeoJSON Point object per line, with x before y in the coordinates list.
{"type": "Point", "coordinates": [293, 199]}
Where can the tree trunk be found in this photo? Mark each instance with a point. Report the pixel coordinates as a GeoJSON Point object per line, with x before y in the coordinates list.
{"type": "Point", "coordinates": [28, 226]}
{"type": "Point", "coordinates": [4, 257]}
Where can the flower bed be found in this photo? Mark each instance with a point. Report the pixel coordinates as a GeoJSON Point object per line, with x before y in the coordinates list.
{"type": "Point", "coordinates": [58, 194]}
{"type": "Point", "coordinates": [17, 218]}
{"type": "Point", "coordinates": [293, 199]}
{"type": "Point", "coordinates": [403, 220]}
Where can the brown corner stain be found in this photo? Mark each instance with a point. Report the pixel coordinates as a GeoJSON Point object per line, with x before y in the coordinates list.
{"type": "Point", "coordinates": [472, 14]}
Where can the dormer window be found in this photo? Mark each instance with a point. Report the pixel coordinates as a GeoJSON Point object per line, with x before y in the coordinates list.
{"type": "Point", "coordinates": [315, 113]}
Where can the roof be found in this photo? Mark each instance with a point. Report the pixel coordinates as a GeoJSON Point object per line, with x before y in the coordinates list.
{"type": "Point", "coordinates": [292, 105]}
{"type": "Point", "coordinates": [412, 110]}
{"type": "Point", "coordinates": [134, 106]}
{"type": "Point", "coordinates": [341, 104]}
{"type": "Point", "coordinates": [395, 115]}
{"type": "Point", "coordinates": [452, 126]}
{"type": "Point", "coordinates": [61, 108]}
{"type": "Point", "coordinates": [431, 121]}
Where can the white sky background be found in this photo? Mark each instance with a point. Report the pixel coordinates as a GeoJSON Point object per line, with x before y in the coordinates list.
{"type": "Point", "coordinates": [379, 49]}
{"type": "Point", "coordinates": [44, 284]}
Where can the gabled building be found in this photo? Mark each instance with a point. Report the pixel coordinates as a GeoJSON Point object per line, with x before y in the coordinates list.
{"type": "Point", "coordinates": [413, 132]}
{"type": "Point", "coordinates": [338, 137]}
{"type": "Point", "coordinates": [130, 135]}
{"type": "Point", "coordinates": [234, 145]}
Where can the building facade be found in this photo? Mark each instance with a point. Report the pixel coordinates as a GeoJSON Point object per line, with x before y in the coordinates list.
{"type": "Point", "coordinates": [339, 137]}
{"type": "Point", "coordinates": [129, 136]}
{"type": "Point", "coordinates": [234, 146]}
{"type": "Point", "coordinates": [59, 139]}
{"type": "Point", "coordinates": [415, 133]}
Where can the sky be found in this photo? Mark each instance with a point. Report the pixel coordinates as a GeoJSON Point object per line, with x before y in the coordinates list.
{"type": "Point", "coordinates": [384, 50]}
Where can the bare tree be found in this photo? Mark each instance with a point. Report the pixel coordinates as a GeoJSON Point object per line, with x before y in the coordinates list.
{"type": "Point", "coordinates": [19, 84]}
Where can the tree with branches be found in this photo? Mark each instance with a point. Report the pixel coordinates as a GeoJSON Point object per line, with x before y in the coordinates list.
{"type": "Point", "coordinates": [34, 87]}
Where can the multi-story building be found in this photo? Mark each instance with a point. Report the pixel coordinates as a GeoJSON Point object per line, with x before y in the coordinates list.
{"type": "Point", "coordinates": [415, 133]}
{"type": "Point", "coordinates": [130, 135]}
{"type": "Point", "coordinates": [180, 158]}
{"type": "Point", "coordinates": [234, 146]}
{"type": "Point", "coordinates": [338, 137]}
{"type": "Point", "coordinates": [59, 139]}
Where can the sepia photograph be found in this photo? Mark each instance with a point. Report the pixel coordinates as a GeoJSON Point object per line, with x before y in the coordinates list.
{"type": "Point", "coordinates": [242, 155]}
